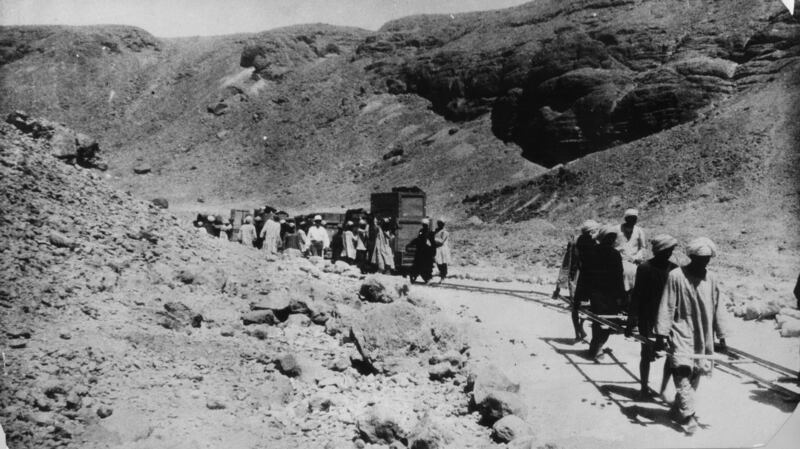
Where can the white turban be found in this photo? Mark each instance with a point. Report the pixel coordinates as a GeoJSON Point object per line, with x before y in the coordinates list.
{"type": "Point", "coordinates": [248, 219]}
{"type": "Point", "coordinates": [631, 213]}
{"type": "Point", "coordinates": [425, 221]}
{"type": "Point", "coordinates": [701, 246]}
{"type": "Point", "coordinates": [589, 227]}
{"type": "Point", "coordinates": [663, 242]}
{"type": "Point", "coordinates": [606, 231]}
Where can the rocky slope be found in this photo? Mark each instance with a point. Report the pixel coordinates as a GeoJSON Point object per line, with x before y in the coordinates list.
{"type": "Point", "coordinates": [285, 117]}
{"type": "Point", "coordinates": [120, 328]}
{"type": "Point", "coordinates": [315, 116]}
{"type": "Point", "coordinates": [563, 79]}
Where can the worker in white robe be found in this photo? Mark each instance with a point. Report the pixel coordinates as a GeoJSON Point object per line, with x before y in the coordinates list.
{"type": "Point", "coordinates": [441, 238]}
{"type": "Point", "coordinates": [690, 316]}
{"type": "Point", "coordinates": [271, 234]}
{"type": "Point", "coordinates": [247, 233]}
{"type": "Point", "coordinates": [632, 246]}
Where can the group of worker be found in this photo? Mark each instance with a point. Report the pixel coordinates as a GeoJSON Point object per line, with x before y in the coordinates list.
{"type": "Point", "coordinates": [678, 306]}
{"type": "Point", "coordinates": [369, 246]}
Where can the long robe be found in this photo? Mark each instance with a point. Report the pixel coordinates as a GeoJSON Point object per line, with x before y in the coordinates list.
{"type": "Point", "coordinates": [303, 240]}
{"type": "Point", "coordinates": [424, 254]}
{"type": "Point", "coordinates": [271, 233]}
{"type": "Point", "coordinates": [442, 240]}
{"type": "Point", "coordinates": [247, 234]}
{"type": "Point", "coordinates": [600, 281]}
{"type": "Point", "coordinates": [691, 314]}
{"type": "Point", "coordinates": [349, 242]}
{"type": "Point", "coordinates": [382, 256]}
{"type": "Point", "coordinates": [632, 250]}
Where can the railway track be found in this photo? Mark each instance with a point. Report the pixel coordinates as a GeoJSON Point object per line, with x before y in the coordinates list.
{"type": "Point", "coordinates": [736, 361]}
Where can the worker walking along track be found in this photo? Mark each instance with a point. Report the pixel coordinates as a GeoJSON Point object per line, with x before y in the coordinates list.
{"type": "Point", "coordinates": [732, 360]}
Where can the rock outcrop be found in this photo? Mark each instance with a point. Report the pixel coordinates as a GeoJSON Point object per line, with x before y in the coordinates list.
{"type": "Point", "coordinates": [566, 79]}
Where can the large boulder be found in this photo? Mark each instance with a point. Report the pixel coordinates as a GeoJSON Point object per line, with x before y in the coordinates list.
{"type": "Point", "coordinates": [484, 378]}
{"type": "Point", "coordinates": [497, 404]}
{"type": "Point", "coordinates": [510, 428]}
{"type": "Point", "coordinates": [494, 395]}
{"type": "Point", "coordinates": [430, 433]}
{"type": "Point", "coordinates": [385, 289]}
{"type": "Point", "coordinates": [177, 315]}
{"type": "Point", "coordinates": [259, 317]}
{"type": "Point", "coordinates": [211, 276]}
{"type": "Point", "coordinates": [66, 144]}
{"type": "Point", "coordinates": [277, 301]}
{"type": "Point", "coordinates": [385, 422]}
{"type": "Point", "coordinates": [385, 332]}
{"type": "Point", "coordinates": [287, 364]}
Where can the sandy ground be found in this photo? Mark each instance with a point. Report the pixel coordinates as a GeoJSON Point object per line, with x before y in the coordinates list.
{"type": "Point", "coordinates": [574, 402]}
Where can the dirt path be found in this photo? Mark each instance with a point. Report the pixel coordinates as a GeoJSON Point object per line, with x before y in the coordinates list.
{"type": "Point", "coordinates": [576, 403]}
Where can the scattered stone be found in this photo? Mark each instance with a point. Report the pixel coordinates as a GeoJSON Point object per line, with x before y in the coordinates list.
{"type": "Point", "coordinates": [340, 364]}
{"type": "Point", "coordinates": [288, 366]}
{"type": "Point", "coordinates": [259, 317]}
{"type": "Point", "coordinates": [142, 169]}
{"type": "Point", "coordinates": [104, 412]}
{"type": "Point", "coordinates": [161, 202]}
{"type": "Point", "coordinates": [297, 320]}
{"type": "Point", "coordinates": [65, 336]}
{"type": "Point", "coordinates": [429, 433]}
{"type": "Point", "coordinates": [378, 288]}
{"type": "Point", "coordinates": [497, 404]}
{"type": "Point", "coordinates": [177, 315]}
{"type": "Point", "coordinates": [215, 404]}
{"type": "Point", "coordinates": [510, 428]}
{"type": "Point", "coordinates": [60, 240]}
{"type": "Point", "coordinates": [441, 371]}
{"type": "Point", "coordinates": [385, 423]}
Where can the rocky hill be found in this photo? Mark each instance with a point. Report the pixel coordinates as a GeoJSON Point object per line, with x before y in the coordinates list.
{"type": "Point", "coordinates": [120, 328]}
{"type": "Point", "coordinates": [316, 116]}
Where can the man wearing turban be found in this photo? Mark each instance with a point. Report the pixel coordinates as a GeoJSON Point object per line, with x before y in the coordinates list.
{"type": "Point", "coordinates": [425, 251]}
{"type": "Point", "coordinates": [651, 276]}
{"type": "Point", "coordinates": [570, 270]}
{"type": "Point", "coordinates": [631, 244]}
{"type": "Point", "coordinates": [690, 316]}
{"type": "Point", "coordinates": [600, 283]}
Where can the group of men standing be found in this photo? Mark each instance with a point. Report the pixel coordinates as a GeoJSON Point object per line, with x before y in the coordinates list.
{"type": "Point", "coordinates": [677, 306]}
{"type": "Point", "coordinates": [367, 245]}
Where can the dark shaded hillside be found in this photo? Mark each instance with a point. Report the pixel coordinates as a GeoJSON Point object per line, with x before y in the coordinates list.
{"type": "Point", "coordinates": [563, 79]}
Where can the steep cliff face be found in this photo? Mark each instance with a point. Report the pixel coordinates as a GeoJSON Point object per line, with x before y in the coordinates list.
{"type": "Point", "coordinates": [564, 79]}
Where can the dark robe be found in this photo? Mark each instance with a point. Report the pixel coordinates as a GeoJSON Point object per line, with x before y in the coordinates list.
{"type": "Point", "coordinates": [651, 276]}
{"type": "Point", "coordinates": [600, 281]}
{"type": "Point", "coordinates": [425, 251]}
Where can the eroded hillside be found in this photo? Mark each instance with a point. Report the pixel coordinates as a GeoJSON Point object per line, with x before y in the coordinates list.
{"type": "Point", "coordinates": [316, 116]}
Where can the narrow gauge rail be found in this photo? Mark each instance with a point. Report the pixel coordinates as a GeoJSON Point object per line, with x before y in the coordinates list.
{"type": "Point", "coordinates": [736, 356]}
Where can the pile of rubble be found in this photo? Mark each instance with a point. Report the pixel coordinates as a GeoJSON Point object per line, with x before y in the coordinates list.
{"type": "Point", "coordinates": [122, 327]}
